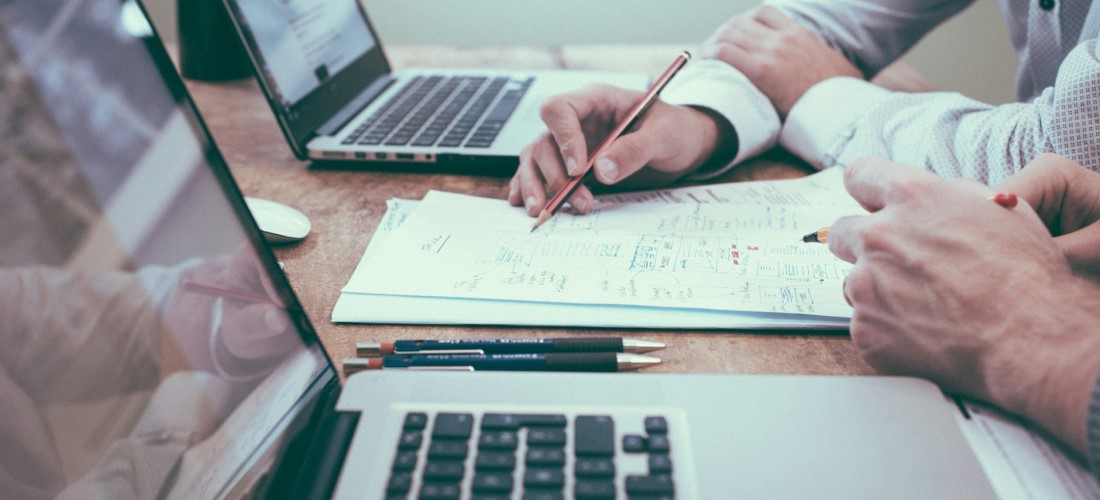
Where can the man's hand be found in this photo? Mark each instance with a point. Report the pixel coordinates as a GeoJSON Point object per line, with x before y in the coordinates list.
{"type": "Point", "coordinates": [782, 58]}
{"type": "Point", "coordinates": [247, 336]}
{"type": "Point", "coordinates": [976, 297]}
{"type": "Point", "coordinates": [1067, 197]}
{"type": "Point", "coordinates": [668, 143]}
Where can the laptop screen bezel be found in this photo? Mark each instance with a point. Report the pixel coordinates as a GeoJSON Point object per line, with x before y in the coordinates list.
{"type": "Point", "coordinates": [301, 122]}
{"type": "Point", "coordinates": [261, 457]}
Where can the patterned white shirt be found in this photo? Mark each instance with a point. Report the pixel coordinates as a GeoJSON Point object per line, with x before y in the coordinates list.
{"type": "Point", "coordinates": [840, 119]}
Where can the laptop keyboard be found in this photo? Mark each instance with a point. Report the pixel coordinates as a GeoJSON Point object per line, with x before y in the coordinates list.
{"type": "Point", "coordinates": [467, 111]}
{"type": "Point", "coordinates": [527, 456]}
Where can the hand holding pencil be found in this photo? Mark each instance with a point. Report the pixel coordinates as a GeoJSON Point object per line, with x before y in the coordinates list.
{"type": "Point", "coordinates": [988, 299]}
{"type": "Point", "coordinates": [671, 141]}
{"type": "Point", "coordinates": [229, 313]}
{"type": "Point", "coordinates": [634, 115]}
{"type": "Point", "coordinates": [1007, 200]}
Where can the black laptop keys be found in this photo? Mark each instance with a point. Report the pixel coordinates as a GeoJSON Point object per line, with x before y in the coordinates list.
{"type": "Point", "coordinates": [514, 455]}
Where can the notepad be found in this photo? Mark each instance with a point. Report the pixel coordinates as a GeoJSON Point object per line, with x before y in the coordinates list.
{"type": "Point", "coordinates": [714, 256]}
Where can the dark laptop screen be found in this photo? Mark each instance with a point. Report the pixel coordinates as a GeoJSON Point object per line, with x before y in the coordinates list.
{"type": "Point", "coordinates": [149, 344]}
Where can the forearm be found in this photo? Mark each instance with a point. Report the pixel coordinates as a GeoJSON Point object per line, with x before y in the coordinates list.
{"type": "Point", "coordinates": [58, 324]}
{"type": "Point", "coordinates": [870, 34]}
{"type": "Point", "coordinates": [840, 120]}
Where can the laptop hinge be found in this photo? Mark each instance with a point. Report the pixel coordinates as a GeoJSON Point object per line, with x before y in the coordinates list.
{"type": "Point", "coordinates": [353, 107]}
{"type": "Point", "coordinates": [311, 462]}
{"type": "Point", "coordinates": [325, 458]}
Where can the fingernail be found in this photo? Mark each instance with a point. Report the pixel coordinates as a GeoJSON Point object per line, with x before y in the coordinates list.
{"type": "Point", "coordinates": [571, 166]}
{"type": "Point", "coordinates": [608, 169]}
{"type": "Point", "coordinates": [511, 192]}
{"type": "Point", "coordinates": [531, 201]}
{"type": "Point", "coordinates": [581, 205]}
{"type": "Point", "coordinates": [273, 319]}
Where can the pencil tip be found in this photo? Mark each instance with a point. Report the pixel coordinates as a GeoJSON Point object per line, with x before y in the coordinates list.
{"type": "Point", "coordinates": [810, 238]}
{"type": "Point", "coordinates": [543, 217]}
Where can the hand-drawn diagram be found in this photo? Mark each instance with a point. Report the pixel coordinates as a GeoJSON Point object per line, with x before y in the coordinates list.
{"type": "Point", "coordinates": [741, 251]}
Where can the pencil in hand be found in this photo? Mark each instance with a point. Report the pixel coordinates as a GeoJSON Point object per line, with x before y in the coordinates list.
{"type": "Point", "coordinates": [217, 291]}
{"type": "Point", "coordinates": [819, 236]}
{"type": "Point", "coordinates": [1007, 200]}
{"type": "Point", "coordinates": [555, 202]}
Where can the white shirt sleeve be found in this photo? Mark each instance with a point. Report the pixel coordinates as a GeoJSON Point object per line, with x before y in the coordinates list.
{"type": "Point", "coordinates": [841, 119]}
{"type": "Point", "coordinates": [719, 87]}
{"type": "Point", "coordinates": [871, 34]}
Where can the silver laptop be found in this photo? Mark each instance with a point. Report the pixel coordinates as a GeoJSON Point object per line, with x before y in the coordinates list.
{"type": "Point", "coordinates": [326, 76]}
{"type": "Point", "coordinates": [153, 348]}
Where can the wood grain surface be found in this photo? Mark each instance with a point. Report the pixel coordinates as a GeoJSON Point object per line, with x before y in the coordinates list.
{"type": "Point", "coordinates": [345, 207]}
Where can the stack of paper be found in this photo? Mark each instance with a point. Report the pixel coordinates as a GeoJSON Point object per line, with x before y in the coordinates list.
{"type": "Point", "coordinates": [715, 256]}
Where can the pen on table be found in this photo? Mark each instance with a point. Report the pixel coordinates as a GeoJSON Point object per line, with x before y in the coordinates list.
{"type": "Point", "coordinates": [554, 361]}
{"type": "Point", "coordinates": [507, 346]}
{"type": "Point", "coordinates": [1007, 200]}
{"type": "Point", "coordinates": [228, 293]}
{"type": "Point", "coordinates": [555, 203]}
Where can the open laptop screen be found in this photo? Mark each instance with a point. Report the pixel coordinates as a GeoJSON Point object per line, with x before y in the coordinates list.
{"type": "Point", "coordinates": [149, 344]}
{"type": "Point", "coordinates": [323, 38]}
{"type": "Point", "coordinates": [313, 58]}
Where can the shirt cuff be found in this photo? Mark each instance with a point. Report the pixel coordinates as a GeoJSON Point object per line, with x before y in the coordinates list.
{"type": "Point", "coordinates": [717, 86]}
{"type": "Point", "coordinates": [1092, 430]}
{"type": "Point", "coordinates": [823, 120]}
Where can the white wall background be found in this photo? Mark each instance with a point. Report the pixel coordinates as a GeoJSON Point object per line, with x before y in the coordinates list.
{"type": "Point", "coordinates": [970, 54]}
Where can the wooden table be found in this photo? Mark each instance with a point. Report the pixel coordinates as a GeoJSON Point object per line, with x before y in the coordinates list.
{"type": "Point", "coordinates": [346, 206]}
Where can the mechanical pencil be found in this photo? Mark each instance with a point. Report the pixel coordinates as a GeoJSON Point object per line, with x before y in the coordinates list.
{"type": "Point", "coordinates": [567, 361]}
{"type": "Point", "coordinates": [507, 346]}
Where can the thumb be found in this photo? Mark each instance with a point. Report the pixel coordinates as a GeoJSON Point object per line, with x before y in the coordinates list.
{"type": "Point", "coordinates": [1082, 248]}
{"type": "Point", "coordinates": [625, 157]}
{"type": "Point", "coordinates": [256, 331]}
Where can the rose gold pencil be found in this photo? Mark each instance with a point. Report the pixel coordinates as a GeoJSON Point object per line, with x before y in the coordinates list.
{"type": "Point", "coordinates": [555, 203]}
{"type": "Point", "coordinates": [241, 295]}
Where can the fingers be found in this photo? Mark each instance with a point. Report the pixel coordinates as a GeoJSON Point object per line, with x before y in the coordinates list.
{"type": "Point", "coordinates": [562, 152]}
{"type": "Point", "coordinates": [531, 184]}
{"type": "Point", "coordinates": [541, 171]}
{"type": "Point", "coordinates": [1065, 194]}
{"type": "Point", "coordinates": [565, 115]}
{"type": "Point", "coordinates": [256, 331]}
{"type": "Point", "coordinates": [514, 196]}
{"type": "Point", "coordinates": [575, 121]}
{"type": "Point", "coordinates": [875, 182]}
{"type": "Point", "coordinates": [844, 240]}
{"type": "Point", "coordinates": [730, 53]}
{"type": "Point", "coordinates": [1044, 183]}
{"type": "Point", "coordinates": [772, 18]}
{"type": "Point", "coordinates": [625, 157]}
{"type": "Point", "coordinates": [734, 41]}
{"type": "Point", "coordinates": [1082, 249]}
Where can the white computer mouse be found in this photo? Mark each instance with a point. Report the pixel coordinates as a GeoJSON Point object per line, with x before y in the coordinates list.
{"type": "Point", "coordinates": [279, 223]}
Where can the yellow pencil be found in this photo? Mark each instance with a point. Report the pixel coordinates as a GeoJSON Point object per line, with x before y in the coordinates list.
{"type": "Point", "coordinates": [1007, 200]}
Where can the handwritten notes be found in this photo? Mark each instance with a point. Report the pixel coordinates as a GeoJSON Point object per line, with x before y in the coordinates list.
{"type": "Point", "coordinates": [730, 247]}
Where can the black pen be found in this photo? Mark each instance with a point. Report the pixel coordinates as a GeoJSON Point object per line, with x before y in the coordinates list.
{"type": "Point", "coordinates": [564, 361]}
{"type": "Point", "coordinates": [507, 346]}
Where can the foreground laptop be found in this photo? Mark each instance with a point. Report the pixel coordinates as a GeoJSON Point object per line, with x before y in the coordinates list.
{"type": "Point", "coordinates": [152, 348]}
{"type": "Point", "coordinates": [326, 76]}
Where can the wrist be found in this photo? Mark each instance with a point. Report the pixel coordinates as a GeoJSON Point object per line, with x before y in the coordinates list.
{"type": "Point", "coordinates": [719, 144]}
{"type": "Point", "coordinates": [1048, 376]}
